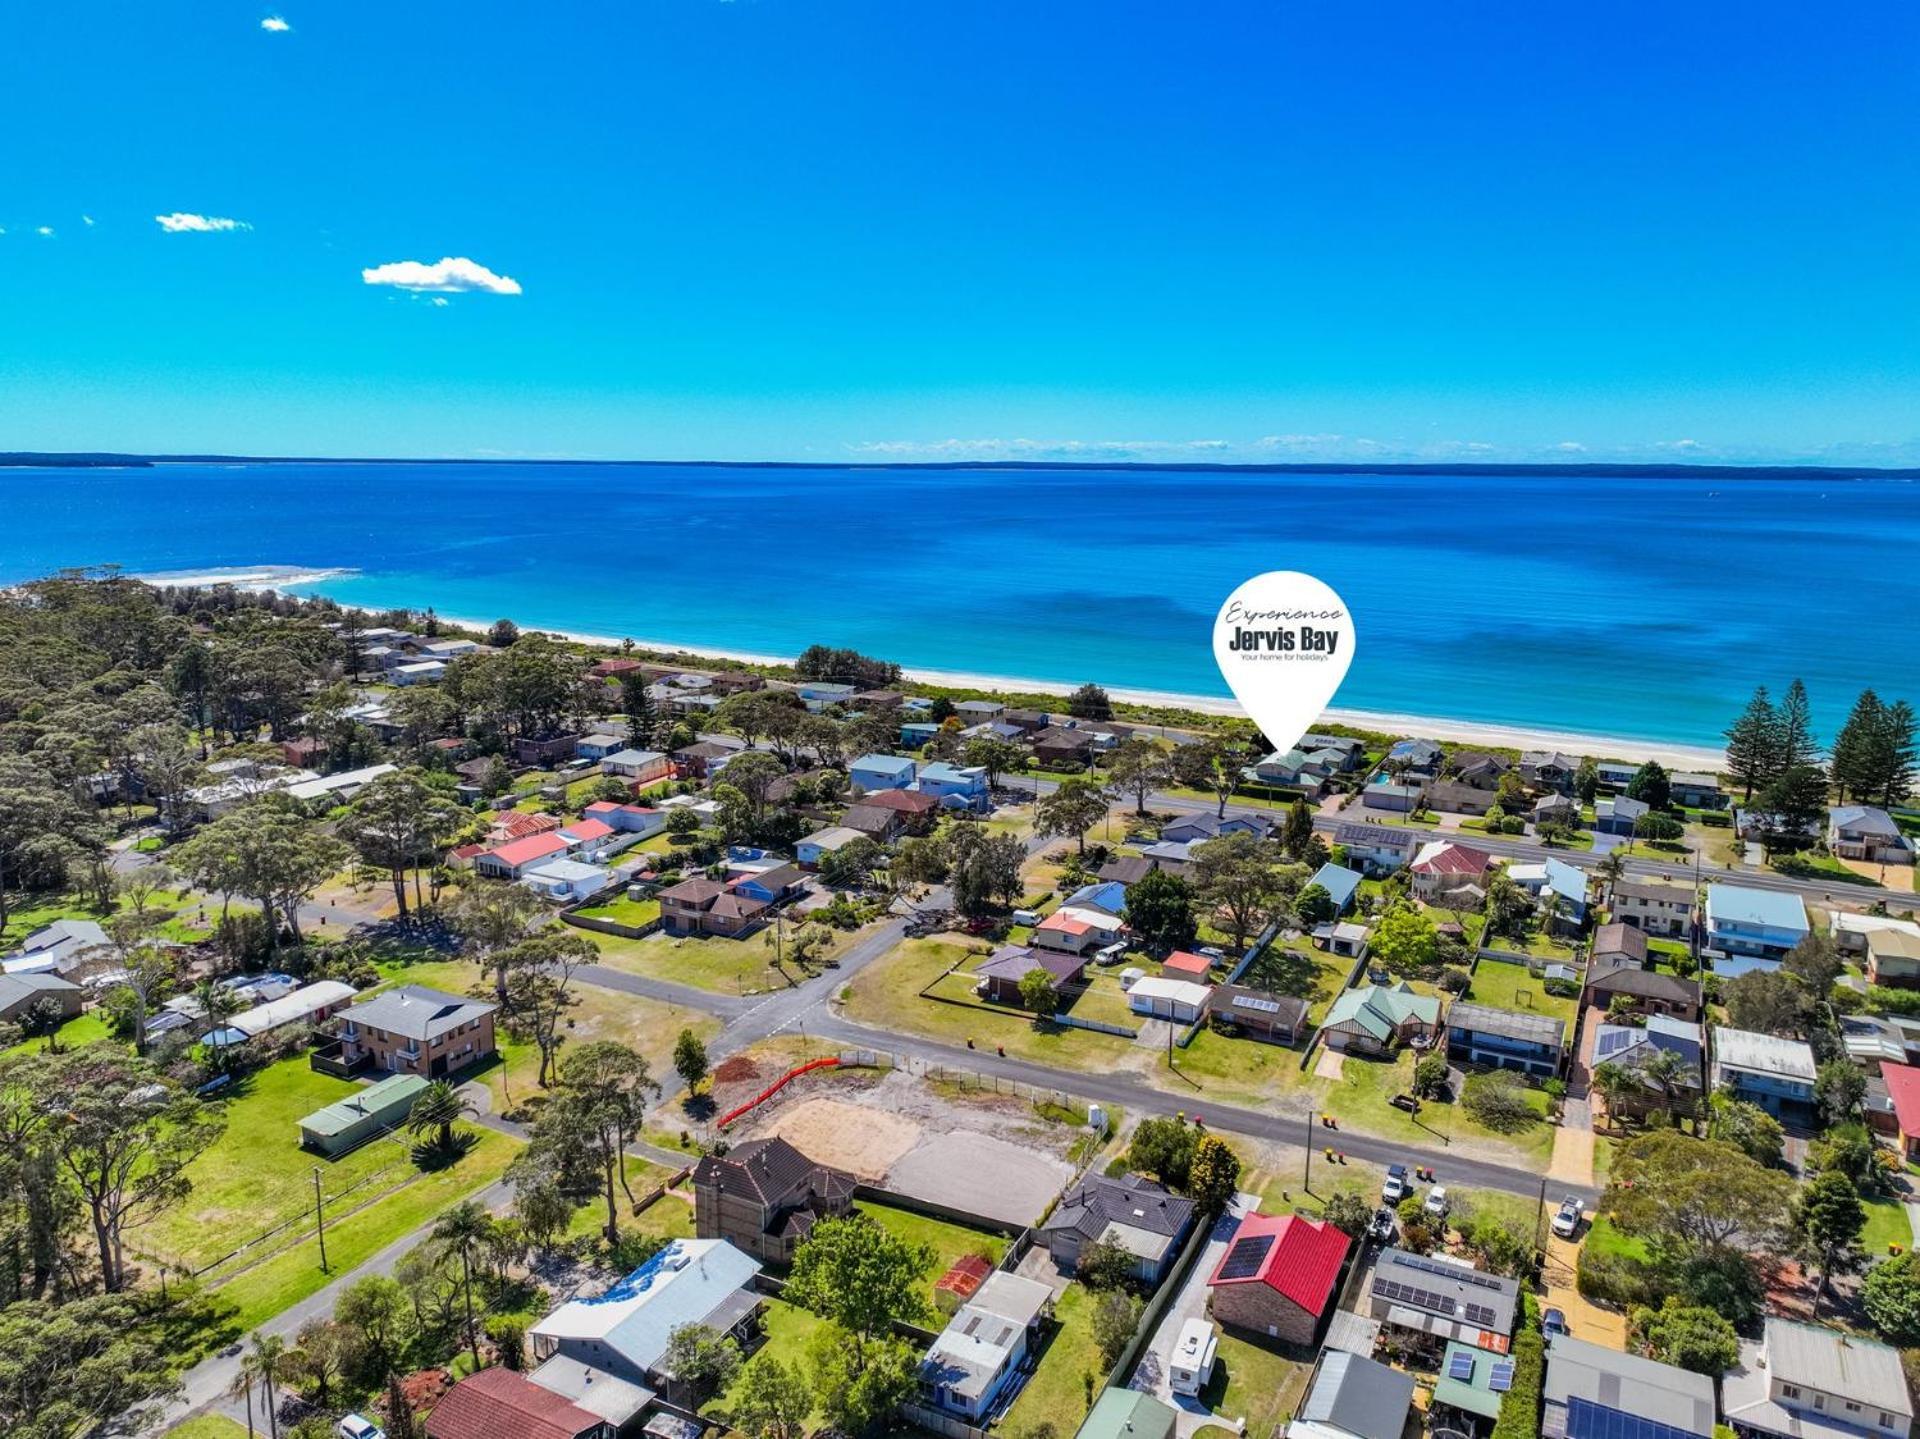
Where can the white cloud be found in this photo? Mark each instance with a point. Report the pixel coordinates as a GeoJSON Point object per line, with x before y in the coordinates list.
{"type": "Point", "coordinates": [440, 302]}
{"type": "Point", "coordinates": [450, 276]}
{"type": "Point", "coordinates": [275, 25]}
{"type": "Point", "coordinates": [87, 220]}
{"type": "Point", "coordinates": [45, 232]}
{"type": "Point", "coordinates": [180, 222]}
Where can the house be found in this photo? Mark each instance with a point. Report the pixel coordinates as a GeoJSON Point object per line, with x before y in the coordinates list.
{"type": "Point", "coordinates": [501, 1403]}
{"type": "Point", "coordinates": [764, 1197]}
{"type": "Point", "coordinates": [1653, 907]}
{"type": "Point", "coordinates": [587, 838]}
{"type": "Point", "coordinates": [1131, 869]}
{"type": "Point", "coordinates": [1554, 809]}
{"type": "Point", "coordinates": [310, 1004]}
{"type": "Point", "coordinates": [954, 786]}
{"type": "Point", "coordinates": [1277, 1276]}
{"type": "Point", "coordinates": [1414, 756]}
{"type": "Point", "coordinates": [1346, 938]}
{"type": "Point", "coordinates": [416, 1030]}
{"type": "Point", "coordinates": [624, 1332]}
{"type": "Point", "coordinates": [641, 766]}
{"type": "Point", "coordinates": [1352, 753]}
{"type": "Point", "coordinates": [1859, 831]}
{"type": "Point", "coordinates": [1444, 870]}
{"type": "Point", "coordinates": [877, 822]}
{"type": "Point", "coordinates": [998, 976]}
{"type": "Point", "coordinates": [1206, 825]}
{"type": "Point", "coordinates": [1893, 958]}
{"type": "Point", "coordinates": [511, 861]}
{"type": "Point", "coordinates": [1903, 1088]}
{"type": "Point", "coordinates": [1054, 746]}
{"type": "Point", "coordinates": [1593, 1392]}
{"type": "Point", "coordinates": [1378, 1018]}
{"type": "Point", "coordinates": [915, 733]}
{"type": "Point", "coordinates": [881, 771]}
{"type": "Point", "coordinates": [597, 747]}
{"type": "Point", "coordinates": [1077, 929]}
{"type": "Point", "coordinates": [1182, 965]}
{"type": "Point", "coordinates": [1560, 888]}
{"type": "Point", "coordinates": [1618, 814]}
{"type": "Point", "coordinates": [1179, 1000]}
{"type": "Point", "coordinates": [1383, 794]}
{"type": "Point", "coordinates": [1776, 1074]}
{"type": "Point", "coordinates": [1277, 1018]}
{"type": "Point", "coordinates": [1479, 770]}
{"type": "Point", "coordinates": [1471, 1381]}
{"type": "Point", "coordinates": [1376, 848]}
{"type": "Point", "coordinates": [1804, 1381]}
{"type": "Point", "coordinates": [1340, 883]}
{"type": "Point", "coordinates": [1617, 944]}
{"type": "Point", "coordinates": [976, 1360]}
{"type": "Point", "coordinates": [1549, 769]}
{"type": "Point", "coordinates": [823, 842]}
{"type": "Point", "coordinates": [418, 672]}
{"type": "Point", "coordinates": [1458, 797]}
{"type": "Point", "coordinates": [770, 886]}
{"type": "Point", "coordinates": [514, 824]}
{"type": "Point", "coordinates": [1354, 1397]}
{"type": "Point", "coordinates": [1306, 769]}
{"type": "Point", "coordinates": [1128, 1414]}
{"type": "Point", "coordinates": [1447, 1298]}
{"type": "Point", "coordinates": [978, 711]}
{"type": "Point", "coordinates": [1101, 894]}
{"type": "Point", "coordinates": [1139, 1214]}
{"type": "Point", "coordinates": [707, 906]}
{"type": "Point", "coordinates": [1652, 991]}
{"type": "Point", "coordinates": [31, 994]}
{"type": "Point", "coordinates": [57, 948]}
{"type": "Point", "coordinates": [1480, 1034]}
{"type": "Point", "coordinates": [566, 881]}
{"type": "Point", "coordinates": [1850, 931]}
{"type": "Point", "coordinates": [1751, 929]}
{"type": "Point", "coordinates": [638, 820]}
{"type": "Point", "coordinates": [347, 1123]}
{"type": "Point", "coordinates": [1696, 791]}
{"type": "Point", "coordinates": [703, 759]}
{"type": "Point", "coordinates": [916, 810]}
{"type": "Point", "coordinates": [1632, 1046]}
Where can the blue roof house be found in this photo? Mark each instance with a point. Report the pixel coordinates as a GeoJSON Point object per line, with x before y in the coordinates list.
{"type": "Point", "coordinates": [1339, 882]}
{"type": "Point", "coordinates": [875, 772]}
{"type": "Point", "coordinates": [1749, 929]}
{"type": "Point", "coordinates": [917, 733]}
{"type": "Point", "coordinates": [955, 787]}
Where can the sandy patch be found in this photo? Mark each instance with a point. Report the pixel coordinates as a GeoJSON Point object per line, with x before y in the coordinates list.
{"type": "Point", "coordinates": [1897, 877]}
{"type": "Point", "coordinates": [1588, 1321]}
{"type": "Point", "coordinates": [1572, 1155]}
{"type": "Point", "coordinates": [1332, 1064]}
{"type": "Point", "coordinates": [861, 1139]}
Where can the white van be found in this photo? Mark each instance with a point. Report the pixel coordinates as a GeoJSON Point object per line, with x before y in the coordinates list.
{"type": "Point", "coordinates": [358, 1426]}
{"type": "Point", "coordinates": [1192, 1363]}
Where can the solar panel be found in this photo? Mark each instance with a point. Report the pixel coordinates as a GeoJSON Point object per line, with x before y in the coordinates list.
{"type": "Point", "coordinates": [1500, 1377]}
{"type": "Point", "coordinates": [1458, 1273]}
{"type": "Point", "coordinates": [1588, 1420]}
{"type": "Point", "coordinates": [1481, 1315]}
{"type": "Point", "coordinates": [1246, 1256]}
{"type": "Point", "coordinates": [1460, 1366]}
{"type": "Point", "coordinates": [1264, 1006]}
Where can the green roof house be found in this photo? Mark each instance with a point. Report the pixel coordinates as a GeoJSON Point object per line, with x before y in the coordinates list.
{"type": "Point", "coordinates": [351, 1121]}
{"type": "Point", "coordinates": [1379, 1018]}
{"type": "Point", "coordinates": [1127, 1414]}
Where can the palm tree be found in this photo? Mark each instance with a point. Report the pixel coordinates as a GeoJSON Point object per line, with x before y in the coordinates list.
{"type": "Point", "coordinates": [1611, 867]}
{"type": "Point", "coordinates": [1665, 1073]}
{"type": "Point", "coordinates": [1614, 1082]}
{"type": "Point", "coordinates": [436, 1110]}
{"type": "Point", "coordinates": [468, 1231]}
{"type": "Point", "coordinates": [264, 1363]}
{"type": "Point", "coordinates": [242, 1388]}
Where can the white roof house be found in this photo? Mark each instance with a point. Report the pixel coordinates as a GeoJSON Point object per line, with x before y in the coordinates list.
{"type": "Point", "coordinates": [1168, 998]}
{"type": "Point", "coordinates": [691, 1281]}
{"type": "Point", "coordinates": [57, 947]}
{"type": "Point", "coordinates": [344, 783]}
{"type": "Point", "coordinates": [1762, 1054]}
{"type": "Point", "coordinates": [1805, 1381]}
{"type": "Point", "coordinates": [320, 998]}
{"type": "Point", "coordinates": [972, 1358]}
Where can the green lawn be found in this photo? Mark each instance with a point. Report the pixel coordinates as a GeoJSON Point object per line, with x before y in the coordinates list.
{"type": "Point", "coordinates": [165, 905]}
{"type": "Point", "coordinates": [725, 966]}
{"type": "Point", "coordinates": [1514, 986]}
{"type": "Point", "coordinates": [1360, 1100]}
{"type": "Point", "coordinates": [1604, 1239]}
{"type": "Point", "coordinates": [635, 912]}
{"type": "Point", "coordinates": [1254, 1383]}
{"type": "Point", "coordinates": [948, 1241]}
{"type": "Point", "coordinates": [208, 1426]}
{"type": "Point", "coordinates": [669, 1217]}
{"type": "Point", "coordinates": [1056, 1393]}
{"type": "Point", "coordinates": [82, 1029]}
{"type": "Point", "coordinates": [1886, 1225]}
{"type": "Point", "coordinates": [789, 1331]}
{"type": "Point", "coordinates": [268, 1288]}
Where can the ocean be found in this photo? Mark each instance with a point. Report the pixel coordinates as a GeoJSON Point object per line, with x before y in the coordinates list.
{"type": "Point", "coordinates": [1645, 608]}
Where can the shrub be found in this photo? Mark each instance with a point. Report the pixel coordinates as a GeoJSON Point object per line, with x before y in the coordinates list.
{"type": "Point", "coordinates": [1520, 1409]}
{"type": "Point", "coordinates": [1613, 1279]}
{"type": "Point", "coordinates": [1498, 1100]}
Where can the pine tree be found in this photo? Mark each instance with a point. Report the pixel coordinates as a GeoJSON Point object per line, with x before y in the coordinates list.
{"type": "Point", "coordinates": [641, 721]}
{"type": "Point", "coordinates": [1797, 743]}
{"type": "Point", "coordinates": [1903, 753]}
{"type": "Point", "coordinates": [1753, 743]}
{"type": "Point", "coordinates": [1854, 749]}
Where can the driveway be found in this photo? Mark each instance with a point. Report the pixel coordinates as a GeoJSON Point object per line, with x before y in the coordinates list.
{"type": "Point", "coordinates": [1150, 1376]}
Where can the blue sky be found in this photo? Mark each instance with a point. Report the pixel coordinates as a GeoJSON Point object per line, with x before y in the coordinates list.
{"type": "Point", "coordinates": [838, 230]}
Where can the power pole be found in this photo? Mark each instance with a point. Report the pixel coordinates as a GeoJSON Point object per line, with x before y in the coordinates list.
{"type": "Point", "coordinates": [1306, 1180]}
{"type": "Point", "coordinates": [320, 1220]}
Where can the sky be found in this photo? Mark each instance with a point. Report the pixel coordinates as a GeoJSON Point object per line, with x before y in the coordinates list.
{"type": "Point", "coordinates": [853, 230]}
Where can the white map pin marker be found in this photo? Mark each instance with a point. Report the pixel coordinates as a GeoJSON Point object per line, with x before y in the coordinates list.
{"type": "Point", "coordinates": [1283, 641]}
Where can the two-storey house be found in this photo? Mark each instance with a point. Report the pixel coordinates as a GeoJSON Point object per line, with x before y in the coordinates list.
{"type": "Point", "coordinates": [1750, 929]}
{"type": "Point", "coordinates": [1479, 1034]}
{"type": "Point", "coordinates": [1776, 1074]}
{"type": "Point", "coordinates": [1804, 1381]}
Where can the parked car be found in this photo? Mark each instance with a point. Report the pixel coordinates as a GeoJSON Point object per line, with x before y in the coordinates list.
{"type": "Point", "coordinates": [1437, 1201]}
{"type": "Point", "coordinates": [1566, 1223]}
{"type": "Point", "coordinates": [1397, 1186]}
{"type": "Point", "coordinates": [358, 1426]}
{"type": "Point", "coordinates": [1382, 1227]}
{"type": "Point", "coordinates": [1026, 916]}
{"type": "Point", "coordinates": [1111, 954]}
{"type": "Point", "coordinates": [1553, 1323]}
{"type": "Point", "coordinates": [1212, 952]}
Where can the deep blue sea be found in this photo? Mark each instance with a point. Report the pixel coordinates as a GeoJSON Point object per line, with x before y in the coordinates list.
{"type": "Point", "coordinates": [1643, 608]}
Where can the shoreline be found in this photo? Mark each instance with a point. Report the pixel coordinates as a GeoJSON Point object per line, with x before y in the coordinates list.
{"type": "Point", "coordinates": [1456, 731]}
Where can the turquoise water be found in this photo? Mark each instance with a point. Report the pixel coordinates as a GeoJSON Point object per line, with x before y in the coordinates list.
{"type": "Point", "coordinates": [1644, 608]}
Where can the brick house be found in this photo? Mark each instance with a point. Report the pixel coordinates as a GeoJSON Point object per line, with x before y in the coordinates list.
{"type": "Point", "coordinates": [706, 906]}
{"type": "Point", "coordinates": [1277, 1276]}
{"type": "Point", "coordinates": [764, 1197]}
{"type": "Point", "coordinates": [416, 1030]}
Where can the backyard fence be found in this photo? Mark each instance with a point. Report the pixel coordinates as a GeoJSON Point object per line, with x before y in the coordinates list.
{"type": "Point", "coordinates": [609, 926]}
{"type": "Point", "coordinates": [944, 1425]}
{"type": "Point", "coordinates": [779, 1084]}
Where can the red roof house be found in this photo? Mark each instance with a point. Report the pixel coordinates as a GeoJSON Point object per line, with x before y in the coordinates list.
{"type": "Point", "coordinates": [1277, 1276]}
{"type": "Point", "coordinates": [501, 1404]}
{"type": "Point", "coordinates": [1903, 1087]}
{"type": "Point", "coordinates": [510, 861]}
{"type": "Point", "coordinates": [588, 831]}
{"type": "Point", "coordinates": [512, 824]}
{"type": "Point", "coordinates": [1188, 966]}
